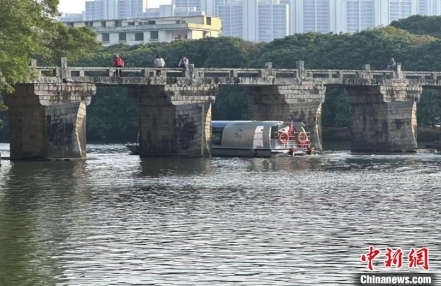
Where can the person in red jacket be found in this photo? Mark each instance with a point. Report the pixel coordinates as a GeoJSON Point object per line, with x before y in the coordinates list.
{"type": "Point", "coordinates": [118, 63]}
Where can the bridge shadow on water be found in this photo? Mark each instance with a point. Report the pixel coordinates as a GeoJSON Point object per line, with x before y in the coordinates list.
{"type": "Point", "coordinates": [170, 166]}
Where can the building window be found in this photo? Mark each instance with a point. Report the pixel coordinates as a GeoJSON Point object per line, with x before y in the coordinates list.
{"type": "Point", "coordinates": [70, 24]}
{"type": "Point", "coordinates": [131, 24]}
{"type": "Point", "coordinates": [208, 20]}
{"type": "Point", "coordinates": [154, 35]}
{"type": "Point", "coordinates": [151, 22]}
{"type": "Point", "coordinates": [118, 23]}
{"type": "Point", "coordinates": [89, 24]}
{"type": "Point", "coordinates": [105, 37]}
{"type": "Point", "coordinates": [122, 36]}
{"type": "Point", "coordinates": [139, 36]}
{"type": "Point", "coordinates": [103, 23]}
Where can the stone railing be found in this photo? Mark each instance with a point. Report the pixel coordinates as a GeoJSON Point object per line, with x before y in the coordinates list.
{"type": "Point", "coordinates": [267, 75]}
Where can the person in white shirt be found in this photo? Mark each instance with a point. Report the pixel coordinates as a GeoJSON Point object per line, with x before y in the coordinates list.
{"type": "Point", "coordinates": [158, 63]}
{"type": "Point", "coordinates": [183, 63]}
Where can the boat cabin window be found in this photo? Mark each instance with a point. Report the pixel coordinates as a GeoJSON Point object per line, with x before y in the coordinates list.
{"type": "Point", "coordinates": [216, 135]}
{"type": "Point", "coordinates": [274, 133]}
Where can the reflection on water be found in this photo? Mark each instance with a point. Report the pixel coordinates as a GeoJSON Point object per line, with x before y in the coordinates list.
{"type": "Point", "coordinates": [118, 219]}
{"type": "Point", "coordinates": [157, 167]}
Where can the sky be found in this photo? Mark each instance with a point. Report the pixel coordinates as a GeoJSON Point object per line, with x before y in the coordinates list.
{"type": "Point", "coordinates": [77, 6]}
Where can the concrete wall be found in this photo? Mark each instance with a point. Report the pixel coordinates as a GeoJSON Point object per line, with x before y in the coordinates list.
{"type": "Point", "coordinates": [174, 120]}
{"type": "Point", "coordinates": [383, 118]}
{"type": "Point", "coordinates": [48, 121]}
{"type": "Point", "coordinates": [299, 102]}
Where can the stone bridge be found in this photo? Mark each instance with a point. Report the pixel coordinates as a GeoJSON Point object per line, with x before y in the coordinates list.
{"type": "Point", "coordinates": [48, 112]}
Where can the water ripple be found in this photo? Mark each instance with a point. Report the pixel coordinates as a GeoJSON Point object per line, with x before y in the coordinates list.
{"type": "Point", "coordinates": [124, 220]}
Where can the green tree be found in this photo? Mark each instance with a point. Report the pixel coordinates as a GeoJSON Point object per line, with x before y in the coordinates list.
{"type": "Point", "coordinates": [420, 25]}
{"type": "Point", "coordinates": [429, 109]}
{"type": "Point", "coordinates": [231, 104]}
{"type": "Point", "coordinates": [28, 30]}
{"type": "Point", "coordinates": [112, 116]}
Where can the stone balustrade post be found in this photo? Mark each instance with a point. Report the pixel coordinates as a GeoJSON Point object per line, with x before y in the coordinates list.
{"type": "Point", "coordinates": [366, 72]}
{"type": "Point", "coordinates": [398, 73]}
{"type": "Point", "coordinates": [301, 69]}
{"type": "Point", "coordinates": [65, 72]}
{"type": "Point", "coordinates": [268, 71]}
{"type": "Point", "coordinates": [190, 70]}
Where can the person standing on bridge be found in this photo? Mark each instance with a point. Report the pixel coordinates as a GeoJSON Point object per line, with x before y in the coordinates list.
{"type": "Point", "coordinates": [158, 63]}
{"type": "Point", "coordinates": [118, 63]}
{"type": "Point", "coordinates": [183, 63]}
{"type": "Point", "coordinates": [392, 65]}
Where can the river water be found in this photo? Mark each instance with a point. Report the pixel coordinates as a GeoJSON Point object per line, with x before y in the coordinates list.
{"type": "Point", "coordinates": [117, 219]}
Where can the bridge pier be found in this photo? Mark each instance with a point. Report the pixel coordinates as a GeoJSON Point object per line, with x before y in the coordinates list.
{"type": "Point", "coordinates": [174, 120]}
{"type": "Point", "coordinates": [298, 102]}
{"type": "Point", "coordinates": [383, 117]}
{"type": "Point", "coordinates": [48, 120]}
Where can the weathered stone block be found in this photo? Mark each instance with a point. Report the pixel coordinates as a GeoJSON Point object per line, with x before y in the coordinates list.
{"type": "Point", "coordinates": [173, 120]}
{"type": "Point", "coordinates": [42, 127]}
{"type": "Point", "coordinates": [383, 118]}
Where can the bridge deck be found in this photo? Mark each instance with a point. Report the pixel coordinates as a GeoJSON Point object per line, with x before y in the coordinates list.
{"type": "Point", "coordinates": [231, 76]}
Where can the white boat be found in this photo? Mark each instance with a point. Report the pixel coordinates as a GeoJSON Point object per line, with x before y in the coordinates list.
{"type": "Point", "coordinates": [255, 139]}
{"type": "Point", "coordinates": [259, 138]}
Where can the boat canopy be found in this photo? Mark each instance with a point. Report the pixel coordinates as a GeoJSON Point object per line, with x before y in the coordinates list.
{"type": "Point", "coordinates": [241, 134]}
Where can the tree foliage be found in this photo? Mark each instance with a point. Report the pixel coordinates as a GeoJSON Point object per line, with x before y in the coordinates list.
{"type": "Point", "coordinates": [340, 51]}
{"type": "Point", "coordinates": [429, 109]}
{"type": "Point", "coordinates": [420, 25]}
{"type": "Point", "coordinates": [28, 30]}
{"type": "Point", "coordinates": [231, 104]}
{"type": "Point", "coordinates": [112, 116]}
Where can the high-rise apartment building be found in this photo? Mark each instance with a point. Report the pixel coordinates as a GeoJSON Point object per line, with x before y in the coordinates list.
{"type": "Point", "coordinates": [316, 16]}
{"type": "Point", "coordinates": [265, 20]}
{"type": "Point", "coordinates": [231, 16]}
{"type": "Point", "coordinates": [113, 9]}
{"type": "Point", "coordinates": [70, 17]}
{"type": "Point", "coordinates": [162, 11]}
{"type": "Point", "coordinates": [217, 4]}
{"type": "Point", "coordinates": [94, 10]}
{"type": "Point", "coordinates": [250, 22]}
{"type": "Point", "coordinates": [357, 15]}
{"type": "Point", "coordinates": [130, 8]}
{"type": "Point", "coordinates": [273, 19]}
{"type": "Point", "coordinates": [188, 3]}
{"type": "Point", "coordinates": [205, 6]}
{"type": "Point", "coordinates": [429, 7]}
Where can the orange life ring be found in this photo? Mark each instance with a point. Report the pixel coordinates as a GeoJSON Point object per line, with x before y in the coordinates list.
{"type": "Point", "coordinates": [283, 138]}
{"type": "Point", "coordinates": [302, 138]}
